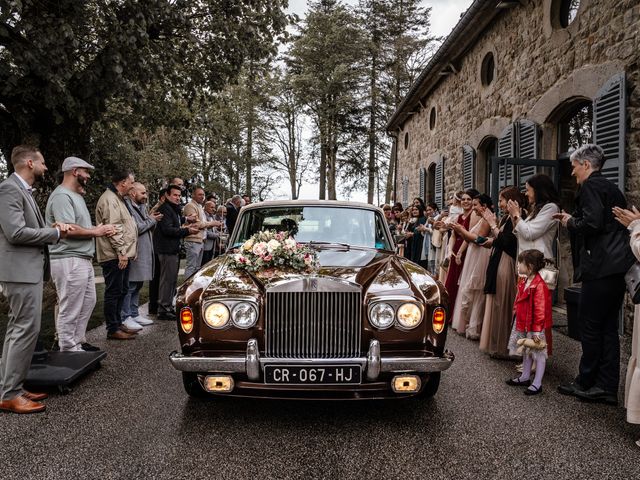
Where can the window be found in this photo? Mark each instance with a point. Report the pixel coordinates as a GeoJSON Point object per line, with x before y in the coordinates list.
{"type": "Point", "coordinates": [487, 72]}
{"type": "Point", "coordinates": [487, 150]}
{"type": "Point", "coordinates": [575, 128]}
{"type": "Point", "coordinates": [353, 226]}
{"type": "Point", "coordinates": [406, 140]}
{"type": "Point", "coordinates": [568, 11]}
{"type": "Point", "coordinates": [432, 118]}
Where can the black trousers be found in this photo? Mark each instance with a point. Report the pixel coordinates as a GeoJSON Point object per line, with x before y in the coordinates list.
{"type": "Point", "coordinates": [154, 286]}
{"type": "Point", "coordinates": [116, 286]}
{"type": "Point", "coordinates": [600, 303]}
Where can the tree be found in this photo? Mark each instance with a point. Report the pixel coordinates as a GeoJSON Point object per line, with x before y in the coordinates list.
{"type": "Point", "coordinates": [286, 132]}
{"type": "Point", "coordinates": [326, 64]}
{"type": "Point", "coordinates": [62, 63]}
{"type": "Point", "coordinates": [407, 32]}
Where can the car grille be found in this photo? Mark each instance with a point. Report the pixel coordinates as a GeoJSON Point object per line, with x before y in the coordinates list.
{"type": "Point", "coordinates": [313, 324]}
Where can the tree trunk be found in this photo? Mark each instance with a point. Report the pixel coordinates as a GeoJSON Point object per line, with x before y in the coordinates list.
{"type": "Point", "coordinates": [391, 173]}
{"type": "Point", "coordinates": [372, 130]}
{"type": "Point", "coordinates": [332, 152]}
{"type": "Point", "coordinates": [323, 163]}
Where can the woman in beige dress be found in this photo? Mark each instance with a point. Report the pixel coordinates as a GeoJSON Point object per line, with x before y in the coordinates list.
{"type": "Point", "coordinates": [500, 283]}
{"type": "Point", "coordinates": [468, 312]}
{"type": "Point", "coordinates": [631, 219]}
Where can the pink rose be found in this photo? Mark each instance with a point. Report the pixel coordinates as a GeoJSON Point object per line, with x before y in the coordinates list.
{"type": "Point", "coordinates": [267, 258]}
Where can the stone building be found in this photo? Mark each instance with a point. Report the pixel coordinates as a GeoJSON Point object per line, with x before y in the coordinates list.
{"type": "Point", "coordinates": [524, 79]}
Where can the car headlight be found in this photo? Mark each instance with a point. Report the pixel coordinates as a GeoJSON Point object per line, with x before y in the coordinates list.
{"type": "Point", "coordinates": [409, 315]}
{"type": "Point", "coordinates": [216, 315]}
{"type": "Point", "coordinates": [381, 315]}
{"type": "Point", "coordinates": [244, 315]}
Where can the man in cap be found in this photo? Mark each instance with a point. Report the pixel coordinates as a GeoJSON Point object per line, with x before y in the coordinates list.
{"type": "Point", "coordinates": [72, 257]}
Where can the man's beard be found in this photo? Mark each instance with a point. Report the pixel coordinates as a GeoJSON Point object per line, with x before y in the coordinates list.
{"type": "Point", "coordinates": [82, 182]}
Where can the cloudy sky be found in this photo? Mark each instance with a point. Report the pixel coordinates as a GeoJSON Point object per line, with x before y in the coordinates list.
{"type": "Point", "coordinates": [444, 13]}
{"type": "Point", "coordinates": [444, 16]}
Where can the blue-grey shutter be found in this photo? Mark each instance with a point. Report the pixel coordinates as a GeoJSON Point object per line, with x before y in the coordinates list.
{"type": "Point", "coordinates": [405, 191]}
{"type": "Point", "coordinates": [423, 184]}
{"type": "Point", "coordinates": [527, 148]}
{"type": "Point", "coordinates": [609, 127]}
{"type": "Point", "coordinates": [439, 193]}
{"type": "Point", "coordinates": [506, 149]}
{"type": "Point", "coordinates": [468, 166]}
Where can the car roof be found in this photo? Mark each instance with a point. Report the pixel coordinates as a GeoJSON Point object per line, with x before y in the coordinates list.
{"type": "Point", "coordinates": [310, 203]}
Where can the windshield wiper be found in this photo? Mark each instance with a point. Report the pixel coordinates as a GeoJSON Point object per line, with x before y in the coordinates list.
{"type": "Point", "coordinates": [346, 245]}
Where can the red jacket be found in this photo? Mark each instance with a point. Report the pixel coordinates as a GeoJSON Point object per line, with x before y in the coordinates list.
{"type": "Point", "coordinates": [532, 306]}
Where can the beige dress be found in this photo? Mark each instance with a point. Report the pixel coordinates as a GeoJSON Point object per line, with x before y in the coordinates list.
{"type": "Point", "coordinates": [632, 385]}
{"type": "Point", "coordinates": [468, 312]}
{"type": "Point", "coordinates": [498, 311]}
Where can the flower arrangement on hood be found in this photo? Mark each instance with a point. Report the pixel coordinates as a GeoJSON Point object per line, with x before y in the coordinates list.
{"type": "Point", "coordinates": [267, 250]}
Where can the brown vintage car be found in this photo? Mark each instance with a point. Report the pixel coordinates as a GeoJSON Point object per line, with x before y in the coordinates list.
{"type": "Point", "coordinates": [367, 324]}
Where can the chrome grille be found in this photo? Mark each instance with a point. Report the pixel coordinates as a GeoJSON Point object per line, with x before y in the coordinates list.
{"type": "Point", "coordinates": [313, 324]}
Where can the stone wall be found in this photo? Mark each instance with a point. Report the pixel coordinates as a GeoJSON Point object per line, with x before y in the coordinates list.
{"type": "Point", "coordinates": [538, 67]}
{"type": "Point", "coordinates": [531, 59]}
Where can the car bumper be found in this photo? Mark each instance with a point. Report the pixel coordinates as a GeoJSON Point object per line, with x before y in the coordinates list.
{"type": "Point", "coordinates": [252, 364]}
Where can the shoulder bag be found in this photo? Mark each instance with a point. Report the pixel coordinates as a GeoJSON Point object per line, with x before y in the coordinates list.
{"type": "Point", "coordinates": [632, 278]}
{"type": "Point", "coordinates": [550, 272]}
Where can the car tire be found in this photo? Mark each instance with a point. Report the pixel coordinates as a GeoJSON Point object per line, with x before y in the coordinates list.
{"type": "Point", "coordinates": [192, 385]}
{"type": "Point", "coordinates": [431, 386]}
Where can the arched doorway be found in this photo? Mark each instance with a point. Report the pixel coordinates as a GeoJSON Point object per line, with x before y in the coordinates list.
{"type": "Point", "coordinates": [574, 128]}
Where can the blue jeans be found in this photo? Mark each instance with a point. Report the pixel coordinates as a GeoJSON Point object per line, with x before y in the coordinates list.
{"type": "Point", "coordinates": [131, 300]}
{"type": "Point", "coordinates": [116, 283]}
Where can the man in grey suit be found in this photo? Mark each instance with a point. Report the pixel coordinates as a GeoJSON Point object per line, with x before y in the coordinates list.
{"type": "Point", "coordinates": [24, 264]}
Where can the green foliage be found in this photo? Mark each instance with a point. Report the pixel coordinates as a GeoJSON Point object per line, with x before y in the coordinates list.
{"type": "Point", "coordinates": [64, 64]}
{"type": "Point", "coordinates": [325, 60]}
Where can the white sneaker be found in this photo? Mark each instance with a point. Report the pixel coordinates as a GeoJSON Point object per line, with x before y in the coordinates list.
{"type": "Point", "coordinates": [131, 324]}
{"type": "Point", "coordinates": [140, 320]}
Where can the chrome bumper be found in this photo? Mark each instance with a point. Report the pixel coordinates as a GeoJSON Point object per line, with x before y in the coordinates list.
{"type": "Point", "coordinates": [252, 364]}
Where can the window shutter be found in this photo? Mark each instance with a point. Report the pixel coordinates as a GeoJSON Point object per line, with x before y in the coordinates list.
{"type": "Point", "coordinates": [527, 148]}
{"type": "Point", "coordinates": [439, 193]}
{"type": "Point", "coordinates": [468, 166]}
{"type": "Point", "coordinates": [506, 149]}
{"type": "Point", "coordinates": [423, 184]}
{"type": "Point", "coordinates": [609, 127]}
{"type": "Point", "coordinates": [405, 191]}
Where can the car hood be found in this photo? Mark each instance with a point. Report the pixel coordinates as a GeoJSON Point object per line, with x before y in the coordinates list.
{"type": "Point", "coordinates": [377, 272]}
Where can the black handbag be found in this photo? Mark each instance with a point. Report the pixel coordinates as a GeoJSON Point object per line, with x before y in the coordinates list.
{"type": "Point", "coordinates": [632, 277]}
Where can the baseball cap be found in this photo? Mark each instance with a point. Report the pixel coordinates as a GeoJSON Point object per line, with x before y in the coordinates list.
{"type": "Point", "coordinates": [74, 162]}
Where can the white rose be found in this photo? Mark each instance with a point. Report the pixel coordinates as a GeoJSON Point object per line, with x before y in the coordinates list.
{"type": "Point", "coordinates": [290, 244]}
{"type": "Point", "coordinates": [273, 245]}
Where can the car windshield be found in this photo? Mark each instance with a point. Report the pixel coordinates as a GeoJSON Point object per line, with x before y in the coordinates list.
{"type": "Point", "coordinates": [351, 226]}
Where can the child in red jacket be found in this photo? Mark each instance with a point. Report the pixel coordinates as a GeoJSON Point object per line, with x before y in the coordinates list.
{"type": "Point", "coordinates": [532, 312]}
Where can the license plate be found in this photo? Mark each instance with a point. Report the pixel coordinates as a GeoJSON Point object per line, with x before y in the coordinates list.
{"type": "Point", "coordinates": [313, 375]}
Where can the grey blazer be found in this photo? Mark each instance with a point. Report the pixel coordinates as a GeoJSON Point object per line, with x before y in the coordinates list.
{"type": "Point", "coordinates": [141, 268]}
{"type": "Point", "coordinates": [24, 257]}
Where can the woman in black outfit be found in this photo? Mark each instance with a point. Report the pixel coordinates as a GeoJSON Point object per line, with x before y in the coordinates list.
{"type": "Point", "coordinates": [500, 284]}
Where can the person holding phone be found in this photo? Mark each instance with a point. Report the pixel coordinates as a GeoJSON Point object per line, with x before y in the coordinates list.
{"type": "Point", "coordinates": [468, 312]}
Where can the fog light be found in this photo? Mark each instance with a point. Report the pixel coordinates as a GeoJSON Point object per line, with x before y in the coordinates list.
{"type": "Point", "coordinates": [218, 383]}
{"type": "Point", "coordinates": [405, 384]}
{"type": "Point", "coordinates": [186, 319]}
